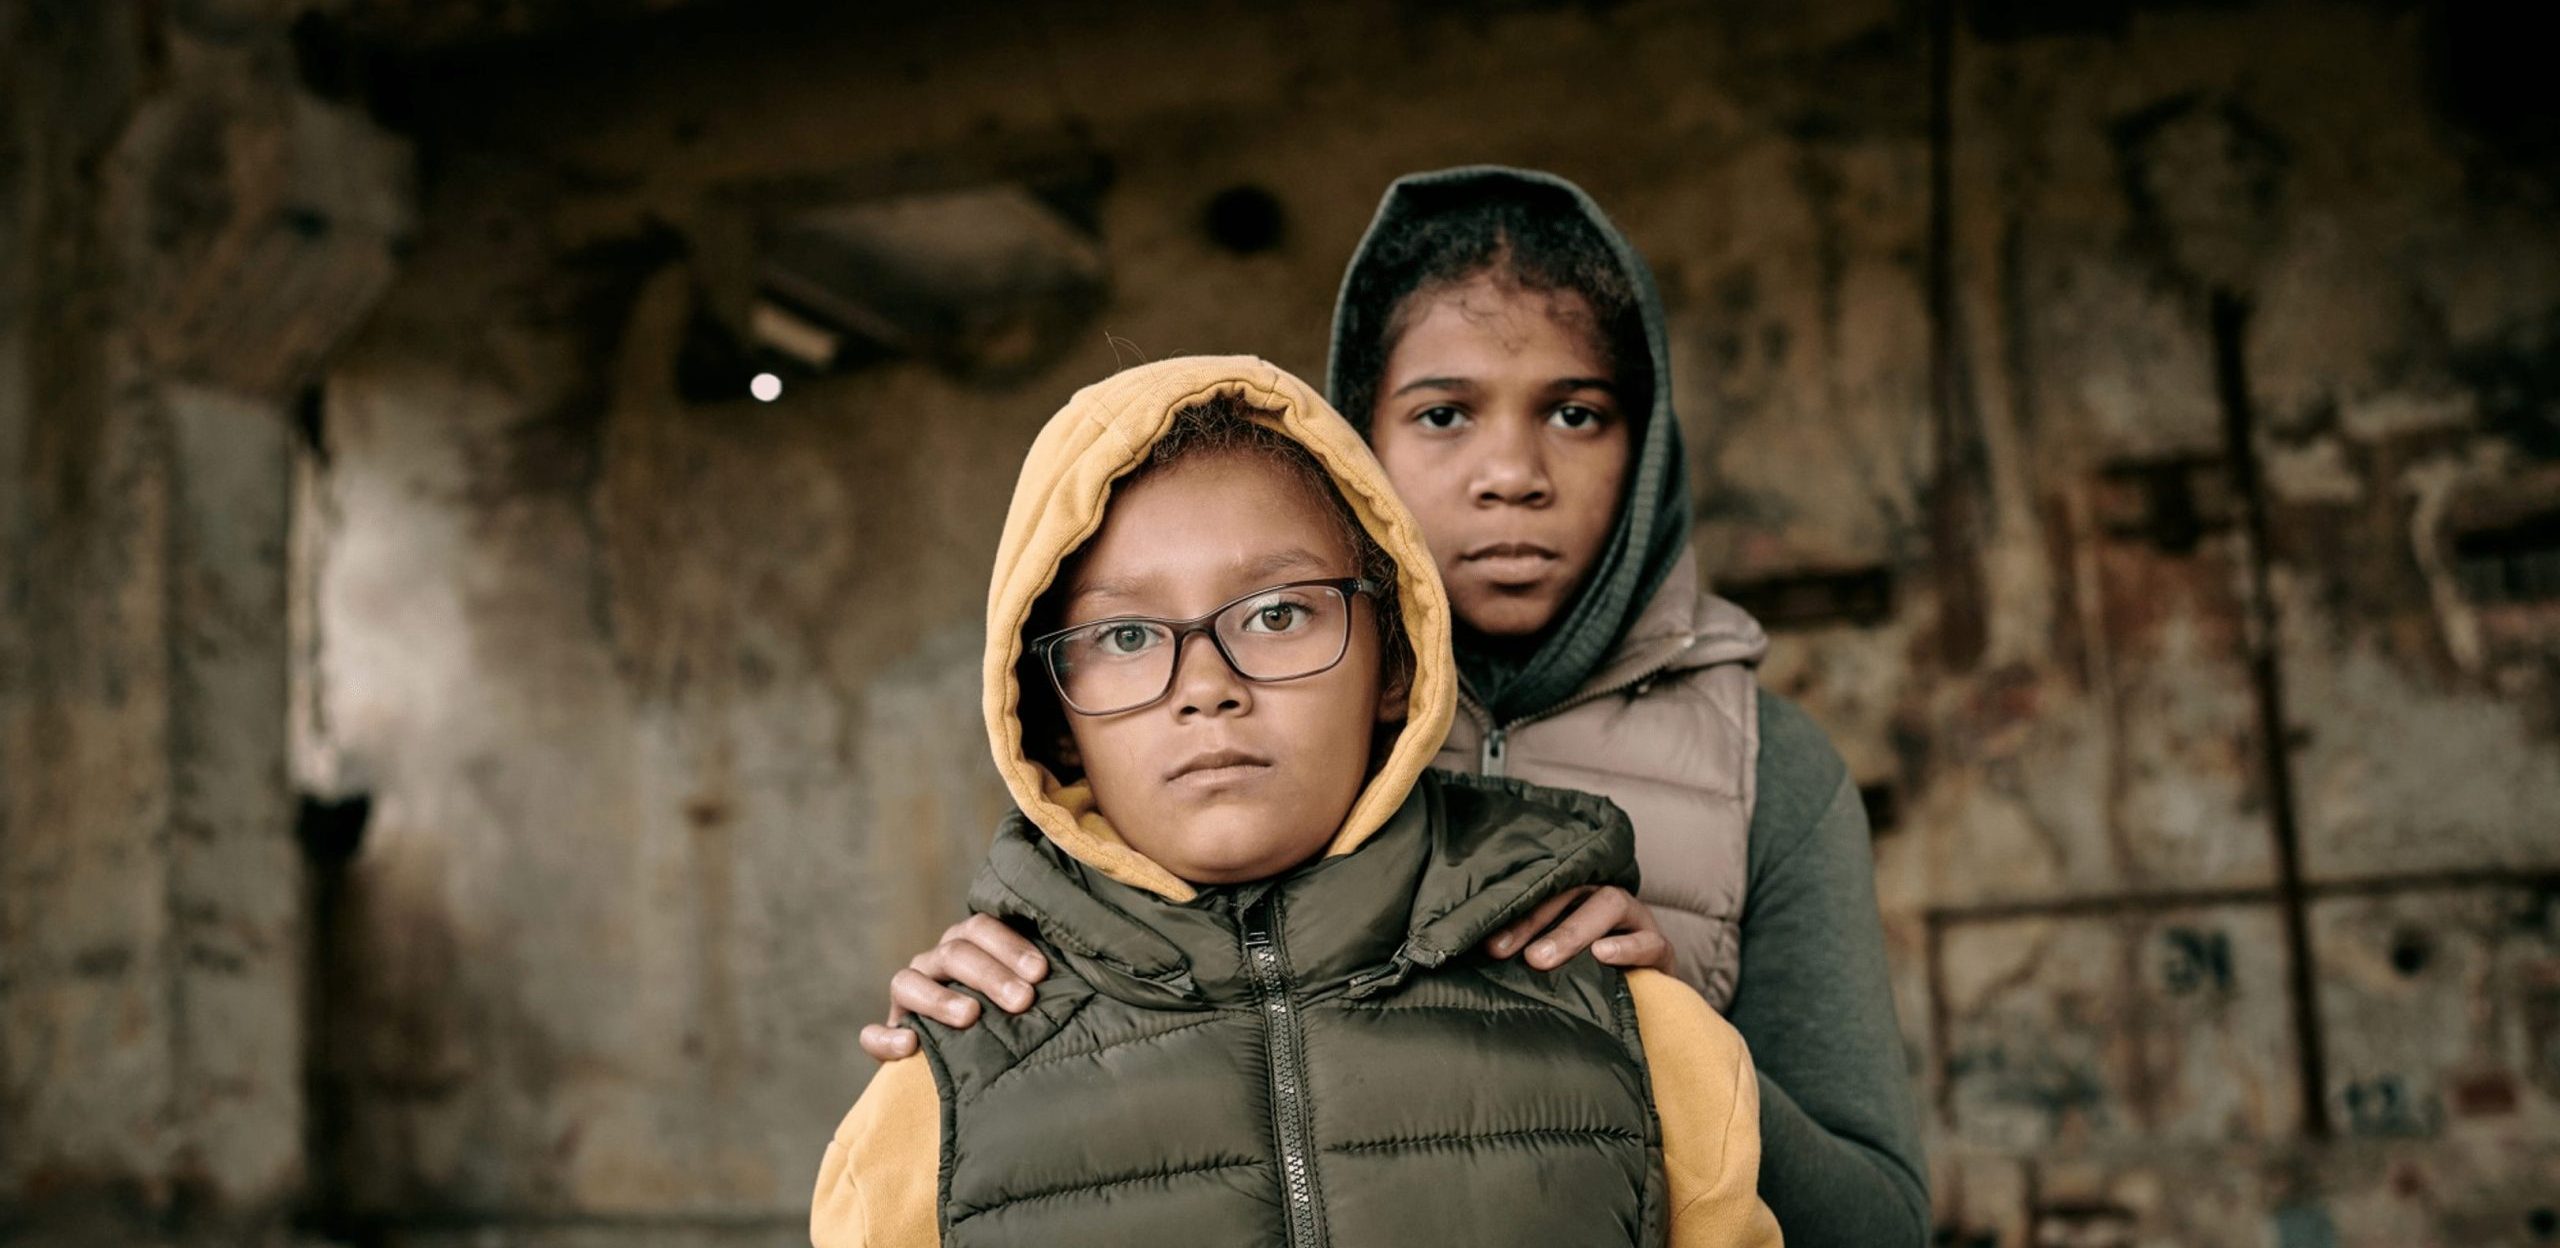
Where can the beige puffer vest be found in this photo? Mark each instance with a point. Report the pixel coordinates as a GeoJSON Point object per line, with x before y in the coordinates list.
{"type": "Point", "coordinates": [1669, 729]}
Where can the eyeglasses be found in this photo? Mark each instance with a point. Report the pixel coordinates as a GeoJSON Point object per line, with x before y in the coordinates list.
{"type": "Point", "coordinates": [1285, 632]}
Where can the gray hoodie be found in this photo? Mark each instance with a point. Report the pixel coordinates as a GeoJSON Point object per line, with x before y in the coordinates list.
{"type": "Point", "coordinates": [1841, 1164]}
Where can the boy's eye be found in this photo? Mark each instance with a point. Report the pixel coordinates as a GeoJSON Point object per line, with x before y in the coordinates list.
{"type": "Point", "coordinates": [1441, 417]}
{"type": "Point", "coordinates": [1277, 617]}
{"type": "Point", "coordinates": [1121, 640]}
{"type": "Point", "coordinates": [1577, 416]}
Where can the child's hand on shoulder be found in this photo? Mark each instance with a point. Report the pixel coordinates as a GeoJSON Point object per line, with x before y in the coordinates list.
{"type": "Point", "coordinates": [977, 952]}
{"type": "Point", "coordinates": [1605, 919]}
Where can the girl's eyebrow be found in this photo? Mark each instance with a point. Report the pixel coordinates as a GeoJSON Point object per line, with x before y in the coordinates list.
{"type": "Point", "coordinates": [1561, 385]}
{"type": "Point", "coordinates": [1433, 383]}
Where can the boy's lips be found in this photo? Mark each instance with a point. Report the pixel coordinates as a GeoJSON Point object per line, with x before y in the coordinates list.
{"type": "Point", "coordinates": [1211, 766]}
{"type": "Point", "coordinates": [1506, 563]}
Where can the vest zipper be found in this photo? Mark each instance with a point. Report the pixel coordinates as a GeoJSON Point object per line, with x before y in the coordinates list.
{"type": "Point", "coordinates": [1285, 1047]}
{"type": "Point", "coordinates": [1496, 753]}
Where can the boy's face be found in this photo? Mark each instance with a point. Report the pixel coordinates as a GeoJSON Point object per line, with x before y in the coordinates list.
{"type": "Point", "coordinates": [1498, 419]}
{"type": "Point", "coordinates": [1225, 780]}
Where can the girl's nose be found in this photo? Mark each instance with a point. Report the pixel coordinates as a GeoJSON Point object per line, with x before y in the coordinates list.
{"type": "Point", "coordinates": [1513, 468]}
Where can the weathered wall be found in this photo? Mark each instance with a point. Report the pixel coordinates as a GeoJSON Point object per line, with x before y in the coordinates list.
{"type": "Point", "coordinates": [2139, 423]}
{"type": "Point", "coordinates": [667, 719]}
{"type": "Point", "coordinates": [152, 935]}
{"type": "Point", "coordinates": [2251, 349]}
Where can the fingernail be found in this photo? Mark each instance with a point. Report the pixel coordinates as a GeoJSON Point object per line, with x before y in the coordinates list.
{"type": "Point", "coordinates": [1030, 967]}
{"type": "Point", "coordinates": [1017, 999]}
{"type": "Point", "coordinates": [1542, 951]}
{"type": "Point", "coordinates": [957, 1016]}
{"type": "Point", "coordinates": [1502, 945]}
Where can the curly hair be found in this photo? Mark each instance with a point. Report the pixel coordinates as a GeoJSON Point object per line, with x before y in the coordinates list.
{"type": "Point", "coordinates": [1524, 239]}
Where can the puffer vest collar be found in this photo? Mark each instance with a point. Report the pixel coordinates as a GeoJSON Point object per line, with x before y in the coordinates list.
{"type": "Point", "coordinates": [1417, 894]}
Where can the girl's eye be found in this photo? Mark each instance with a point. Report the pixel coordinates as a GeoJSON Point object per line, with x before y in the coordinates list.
{"type": "Point", "coordinates": [1441, 417]}
{"type": "Point", "coordinates": [1576, 416]}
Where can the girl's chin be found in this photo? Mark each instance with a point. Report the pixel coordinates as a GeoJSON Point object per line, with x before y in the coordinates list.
{"type": "Point", "coordinates": [1507, 620]}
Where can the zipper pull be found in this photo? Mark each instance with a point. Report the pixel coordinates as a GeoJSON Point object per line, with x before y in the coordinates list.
{"type": "Point", "coordinates": [1497, 748]}
{"type": "Point", "coordinates": [1257, 926]}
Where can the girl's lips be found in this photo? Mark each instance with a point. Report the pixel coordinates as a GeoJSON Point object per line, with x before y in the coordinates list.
{"type": "Point", "coordinates": [1509, 563]}
{"type": "Point", "coordinates": [1503, 550]}
{"type": "Point", "coordinates": [1512, 569]}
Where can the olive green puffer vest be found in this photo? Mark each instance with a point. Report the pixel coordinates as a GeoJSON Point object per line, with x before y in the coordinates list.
{"type": "Point", "coordinates": [1317, 1059]}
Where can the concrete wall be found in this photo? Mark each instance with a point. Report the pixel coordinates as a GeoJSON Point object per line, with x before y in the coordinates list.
{"type": "Point", "coordinates": [2133, 419]}
{"type": "Point", "coordinates": [151, 947]}
{"type": "Point", "coordinates": [2236, 800]}
{"type": "Point", "coordinates": [153, 933]}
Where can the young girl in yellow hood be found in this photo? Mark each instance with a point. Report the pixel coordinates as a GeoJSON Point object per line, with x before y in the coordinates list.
{"type": "Point", "coordinates": [1218, 664]}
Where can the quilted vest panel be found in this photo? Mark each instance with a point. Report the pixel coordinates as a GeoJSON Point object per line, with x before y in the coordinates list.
{"type": "Point", "coordinates": [1307, 1069]}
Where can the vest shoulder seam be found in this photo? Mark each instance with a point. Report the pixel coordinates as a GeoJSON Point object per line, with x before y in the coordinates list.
{"type": "Point", "coordinates": [1604, 1023]}
{"type": "Point", "coordinates": [1040, 1055]}
{"type": "Point", "coordinates": [997, 1032]}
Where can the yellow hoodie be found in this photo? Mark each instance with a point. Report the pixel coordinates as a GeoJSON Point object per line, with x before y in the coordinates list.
{"type": "Point", "coordinates": [879, 1182]}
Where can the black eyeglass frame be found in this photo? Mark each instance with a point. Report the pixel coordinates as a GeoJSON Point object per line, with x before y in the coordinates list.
{"type": "Point", "coordinates": [1044, 646]}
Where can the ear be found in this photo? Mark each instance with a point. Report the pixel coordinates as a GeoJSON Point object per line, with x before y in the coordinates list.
{"type": "Point", "coordinates": [1395, 695]}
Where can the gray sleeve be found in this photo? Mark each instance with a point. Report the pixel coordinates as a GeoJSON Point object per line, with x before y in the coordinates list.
{"type": "Point", "coordinates": [1840, 1164]}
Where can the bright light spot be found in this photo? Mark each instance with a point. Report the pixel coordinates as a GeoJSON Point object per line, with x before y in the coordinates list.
{"type": "Point", "coordinates": [766, 387]}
